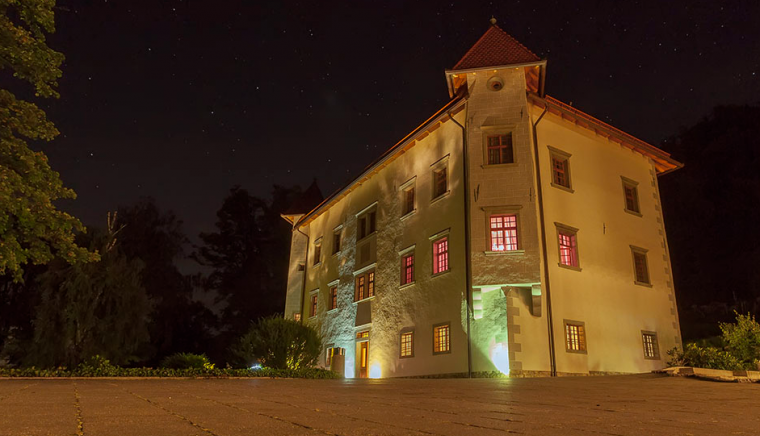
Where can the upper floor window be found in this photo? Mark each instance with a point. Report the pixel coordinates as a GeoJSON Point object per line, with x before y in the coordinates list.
{"type": "Point", "coordinates": [500, 149]}
{"type": "Point", "coordinates": [440, 182]}
{"type": "Point", "coordinates": [651, 347]}
{"type": "Point", "coordinates": [333, 297]}
{"type": "Point", "coordinates": [560, 162]}
{"type": "Point", "coordinates": [441, 255]}
{"type": "Point", "coordinates": [575, 336]}
{"type": "Point", "coordinates": [407, 344]}
{"type": "Point", "coordinates": [366, 224]}
{"type": "Point", "coordinates": [640, 268]}
{"type": "Point", "coordinates": [407, 269]}
{"type": "Point", "coordinates": [408, 200]}
{"type": "Point", "coordinates": [336, 241]}
{"type": "Point", "coordinates": [313, 307]}
{"type": "Point", "coordinates": [365, 286]}
{"type": "Point", "coordinates": [318, 251]}
{"type": "Point", "coordinates": [503, 232]}
{"type": "Point", "coordinates": [568, 246]}
{"type": "Point", "coordinates": [441, 339]}
{"type": "Point", "coordinates": [631, 195]}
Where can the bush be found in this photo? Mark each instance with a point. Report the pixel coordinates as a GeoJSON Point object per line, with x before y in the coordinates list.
{"type": "Point", "coordinates": [742, 340]}
{"type": "Point", "coordinates": [703, 357]}
{"type": "Point", "coordinates": [96, 366]}
{"type": "Point", "coordinates": [186, 361]}
{"type": "Point", "coordinates": [116, 371]}
{"type": "Point", "coordinates": [280, 343]}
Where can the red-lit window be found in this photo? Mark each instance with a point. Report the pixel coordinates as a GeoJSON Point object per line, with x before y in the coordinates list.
{"type": "Point", "coordinates": [407, 269]}
{"type": "Point", "coordinates": [441, 255]}
{"type": "Point", "coordinates": [560, 173]}
{"type": "Point", "coordinates": [440, 185]}
{"type": "Point", "coordinates": [371, 284]}
{"type": "Point", "coordinates": [313, 311]}
{"type": "Point", "coordinates": [503, 232]}
{"type": "Point", "coordinates": [568, 248]}
{"type": "Point", "coordinates": [409, 200]}
{"type": "Point", "coordinates": [361, 284]}
{"type": "Point", "coordinates": [500, 149]}
{"type": "Point", "coordinates": [333, 297]}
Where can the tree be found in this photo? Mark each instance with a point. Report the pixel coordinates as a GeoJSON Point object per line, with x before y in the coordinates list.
{"type": "Point", "coordinates": [91, 309]}
{"type": "Point", "coordinates": [280, 343]}
{"type": "Point", "coordinates": [249, 256]}
{"type": "Point", "coordinates": [32, 230]}
{"type": "Point", "coordinates": [177, 323]}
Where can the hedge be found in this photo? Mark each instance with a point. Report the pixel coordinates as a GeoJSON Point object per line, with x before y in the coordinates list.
{"type": "Point", "coordinates": [83, 371]}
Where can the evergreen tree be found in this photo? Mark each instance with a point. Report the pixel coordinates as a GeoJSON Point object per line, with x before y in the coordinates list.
{"type": "Point", "coordinates": [32, 230]}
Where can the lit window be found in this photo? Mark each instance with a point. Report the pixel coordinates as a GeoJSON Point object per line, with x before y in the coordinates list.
{"type": "Point", "coordinates": [440, 185]}
{"type": "Point", "coordinates": [334, 297]}
{"type": "Point", "coordinates": [313, 311]}
{"type": "Point", "coordinates": [441, 339]}
{"type": "Point", "coordinates": [407, 269]}
{"type": "Point", "coordinates": [317, 252]}
{"type": "Point", "coordinates": [640, 269]}
{"type": "Point", "coordinates": [631, 193]}
{"type": "Point", "coordinates": [371, 284]}
{"type": "Point", "coordinates": [361, 282]}
{"type": "Point", "coordinates": [500, 149]}
{"type": "Point", "coordinates": [362, 334]}
{"type": "Point", "coordinates": [560, 163]}
{"type": "Point", "coordinates": [441, 255]}
{"type": "Point", "coordinates": [408, 200]}
{"type": "Point", "coordinates": [503, 232]}
{"type": "Point", "coordinates": [568, 247]}
{"type": "Point", "coordinates": [651, 348]}
{"type": "Point", "coordinates": [575, 337]}
{"type": "Point", "coordinates": [296, 317]}
{"type": "Point", "coordinates": [336, 242]}
{"type": "Point", "coordinates": [407, 344]}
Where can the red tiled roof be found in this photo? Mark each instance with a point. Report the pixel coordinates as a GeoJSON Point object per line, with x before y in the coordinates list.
{"type": "Point", "coordinates": [496, 47]}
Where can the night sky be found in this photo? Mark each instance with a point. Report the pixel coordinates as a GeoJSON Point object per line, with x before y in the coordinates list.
{"type": "Point", "coordinates": [181, 100]}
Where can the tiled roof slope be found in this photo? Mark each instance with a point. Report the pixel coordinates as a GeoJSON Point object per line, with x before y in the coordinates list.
{"type": "Point", "coordinates": [496, 47]}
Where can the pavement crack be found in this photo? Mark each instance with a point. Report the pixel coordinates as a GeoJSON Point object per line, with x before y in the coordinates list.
{"type": "Point", "coordinates": [78, 408]}
{"type": "Point", "coordinates": [18, 391]}
{"type": "Point", "coordinates": [277, 418]}
{"type": "Point", "coordinates": [171, 412]}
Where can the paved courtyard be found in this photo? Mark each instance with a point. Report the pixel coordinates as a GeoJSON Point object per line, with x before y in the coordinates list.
{"type": "Point", "coordinates": [616, 405]}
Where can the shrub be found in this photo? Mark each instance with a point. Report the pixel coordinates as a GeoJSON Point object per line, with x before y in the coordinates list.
{"type": "Point", "coordinates": [187, 361]}
{"type": "Point", "coordinates": [115, 371]}
{"type": "Point", "coordinates": [742, 340]}
{"type": "Point", "coordinates": [280, 343]}
{"type": "Point", "coordinates": [96, 366]}
{"type": "Point", "coordinates": [703, 357]}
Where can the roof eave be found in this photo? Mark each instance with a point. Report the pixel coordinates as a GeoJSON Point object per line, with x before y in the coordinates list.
{"type": "Point", "coordinates": [540, 62]}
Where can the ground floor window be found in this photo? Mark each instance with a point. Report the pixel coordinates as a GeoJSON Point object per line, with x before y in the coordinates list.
{"type": "Point", "coordinates": [407, 344]}
{"type": "Point", "coordinates": [651, 348]}
{"type": "Point", "coordinates": [442, 338]}
{"type": "Point", "coordinates": [575, 337]}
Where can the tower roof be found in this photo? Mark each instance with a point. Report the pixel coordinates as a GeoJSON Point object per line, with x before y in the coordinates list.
{"type": "Point", "coordinates": [495, 48]}
{"type": "Point", "coordinates": [306, 201]}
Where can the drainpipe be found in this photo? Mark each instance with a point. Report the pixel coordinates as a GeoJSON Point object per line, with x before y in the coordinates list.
{"type": "Point", "coordinates": [467, 263]}
{"type": "Point", "coordinates": [540, 198]}
{"type": "Point", "coordinates": [305, 263]}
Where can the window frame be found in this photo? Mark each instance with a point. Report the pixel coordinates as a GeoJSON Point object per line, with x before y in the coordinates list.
{"type": "Point", "coordinates": [634, 186]}
{"type": "Point", "coordinates": [447, 325]}
{"type": "Point", "coordinates": [407, 277]}
{"type": "Point", "coordinates": [655, 345]}
{"type": "Point", "coordinates": [313, 303]}
{"type": "Point", "coordinates": [644, 253]}
{"type": "Point", "coordinates": [406, 187]}
{"type": "Point", "coordinates": [510, 147]}
{"type": "Point", "coordinates": [582, 336]}
{"type": "Point", "coordinates": [337, 240]}
{"type": "Point", "coordinates": [333, 296]}
{"type": "Point", "coordinates": [368, 277]}
{"type": "Point", "coordinates": [402, 333]}
{"type": "Point", "coordinates": [366, 222]}
{"type": "Point", "coordinates": [504, 230]}
{"type": "Point", "coordinates": [440, 166]}
{"type": "Point", "coordinates": [573, 232]}
{"type": "Point", "coordinates": [317, 255]}
{"type": "Point", "coordinates": [559, 155]}
{"type": "Point", "coordinates": [435, 243]}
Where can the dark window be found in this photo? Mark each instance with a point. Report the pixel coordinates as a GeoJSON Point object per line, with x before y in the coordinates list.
{"type": "Point", "coordinates": [362, 227]}
{"type": "Point", "coordinates": [314, 300]}
{"type": "Point", "coordinates": [336, 242]}
{"type": "Point", "coordinates": [408, 201]}
{"type": "Point", "coordinates": [440, 185]}
{"type": "Point", "coordinates": [631, 197]}
{"type": "Point", "coordinates": [640, 266]}
{"type": "Point", "coordinates": [500, 149]}
{"type": "Point", "coordinates": [560, 173]}
{"type": "Point", "coordinates": [372, 223]}
{"type": "Point", "coordinates": [317, 253]}
{"type": "Point", "coordinates": [651, 348]}
{"type": "Point", "coordinates": [333, 297]}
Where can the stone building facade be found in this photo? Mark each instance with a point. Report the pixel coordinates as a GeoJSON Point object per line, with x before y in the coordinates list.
{"type": "Point", "coordinates": [509, 232]}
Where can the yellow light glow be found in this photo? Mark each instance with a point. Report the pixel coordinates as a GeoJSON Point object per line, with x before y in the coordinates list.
{"type": "Point", "coordinates": [375, 371]}
{"type": "Point", "coordinates": [500, 357]}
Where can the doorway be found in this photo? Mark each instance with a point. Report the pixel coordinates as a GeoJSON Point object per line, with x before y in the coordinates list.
{"type": "Point", "coordinates": [363, 359]}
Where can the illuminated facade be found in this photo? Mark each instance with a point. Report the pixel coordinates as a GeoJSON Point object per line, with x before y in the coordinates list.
{"type": "Point", "coordinates": [509, 232]}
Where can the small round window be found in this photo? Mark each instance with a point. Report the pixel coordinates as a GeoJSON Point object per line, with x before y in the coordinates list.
{"type": "Point", "coordinates": [495, 83]}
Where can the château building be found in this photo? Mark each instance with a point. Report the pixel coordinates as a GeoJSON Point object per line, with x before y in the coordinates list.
{"type": "Point", "coordinates": [509, 232]}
